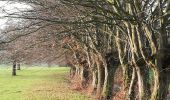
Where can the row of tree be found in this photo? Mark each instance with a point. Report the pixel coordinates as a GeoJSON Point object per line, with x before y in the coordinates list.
{"type": "Point", "coordinates": [104, 35]}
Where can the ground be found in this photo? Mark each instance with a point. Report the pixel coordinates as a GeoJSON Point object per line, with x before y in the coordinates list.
{"type": "Point", "coordinates": [37, 83]}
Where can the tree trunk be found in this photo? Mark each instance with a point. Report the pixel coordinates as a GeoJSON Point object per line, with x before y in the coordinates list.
{"type": "Point", "coordinates": [72, 71]}
{"type": "Point", "coordinates": [164, 84]}
{"type": "Point", "coordinates": [127, 70]}
{"type": "Point", "coordinates": [161, 84]}
{"type": "Point", "coordinates": [100, 80]}
{"type": "Point", "coordinates": [77, 70]}
{"type": "Point", "coordinates": [142, 83]}
{"type": "Point", "coordinates": [81, 73]}
{"type": "Point", "coordinates": [131, 92]}
{"type": "Point", "coordinates": [107, 93]}
{"type": "Point", "coordinates": [93, 81]}
{"type": "Point", "coordinates": [127, 75]}
{"type": "Point", "coordinates": [161, 80]}
{"type": "Point", "coordinates": [110, 69]}
{"type": "Point", "coordinates": [18, 66]}
{"type": "Point", "coordinates": [84, 75]}
{"type": "Point", "coordinates": [14, 69]}
{"type": "Point", "coordinates": [156, 88]}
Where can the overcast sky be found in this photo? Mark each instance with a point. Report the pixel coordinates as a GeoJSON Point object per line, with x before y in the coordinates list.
{"type": "Point", "coordinates": [10, 8]}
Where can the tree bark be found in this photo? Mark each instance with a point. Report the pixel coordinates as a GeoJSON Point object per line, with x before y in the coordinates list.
{"type": "Point", "coordinates": [14, 69]}
{"type": "Point", "coordinates": [100, 80]}
{"type": "Point", "coordinates": [127, 75]}
{"type": "Point", "coordinates": [82, 76]}
{"type": "Point", "coordinates": [142, 83]}
{"type": "Point", "coordinates": [94, 83]}
{"type": "Point", "coordinates": [131, 92]}
{"type": "Point", "coordinates": [110, 69]}
{"type": "Point", "coordinates": [72, 71]}
{"type": "Point", "coordinates": [161, 84]}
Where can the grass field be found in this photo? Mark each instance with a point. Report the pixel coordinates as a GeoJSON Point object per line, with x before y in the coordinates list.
{"type": "Point", "coordinates": [37, 83]}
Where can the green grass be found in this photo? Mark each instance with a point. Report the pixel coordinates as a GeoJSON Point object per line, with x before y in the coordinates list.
{"type": "Point", "coordinates": [37, 83]}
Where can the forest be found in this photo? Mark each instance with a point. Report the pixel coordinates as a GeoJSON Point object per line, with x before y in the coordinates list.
{"type": "Point", "coordinates": [115, 49]}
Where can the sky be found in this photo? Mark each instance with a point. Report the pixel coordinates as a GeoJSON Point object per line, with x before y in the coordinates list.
{"type": "Point", "coordinates": [10, 8]}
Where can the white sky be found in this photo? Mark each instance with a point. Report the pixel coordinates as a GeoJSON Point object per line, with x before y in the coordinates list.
{"type": "Point", "coordinates": [10, 8]}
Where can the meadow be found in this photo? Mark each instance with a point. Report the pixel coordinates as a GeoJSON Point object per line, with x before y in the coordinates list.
{"type": "Point", "coordinates": [38, 83]}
